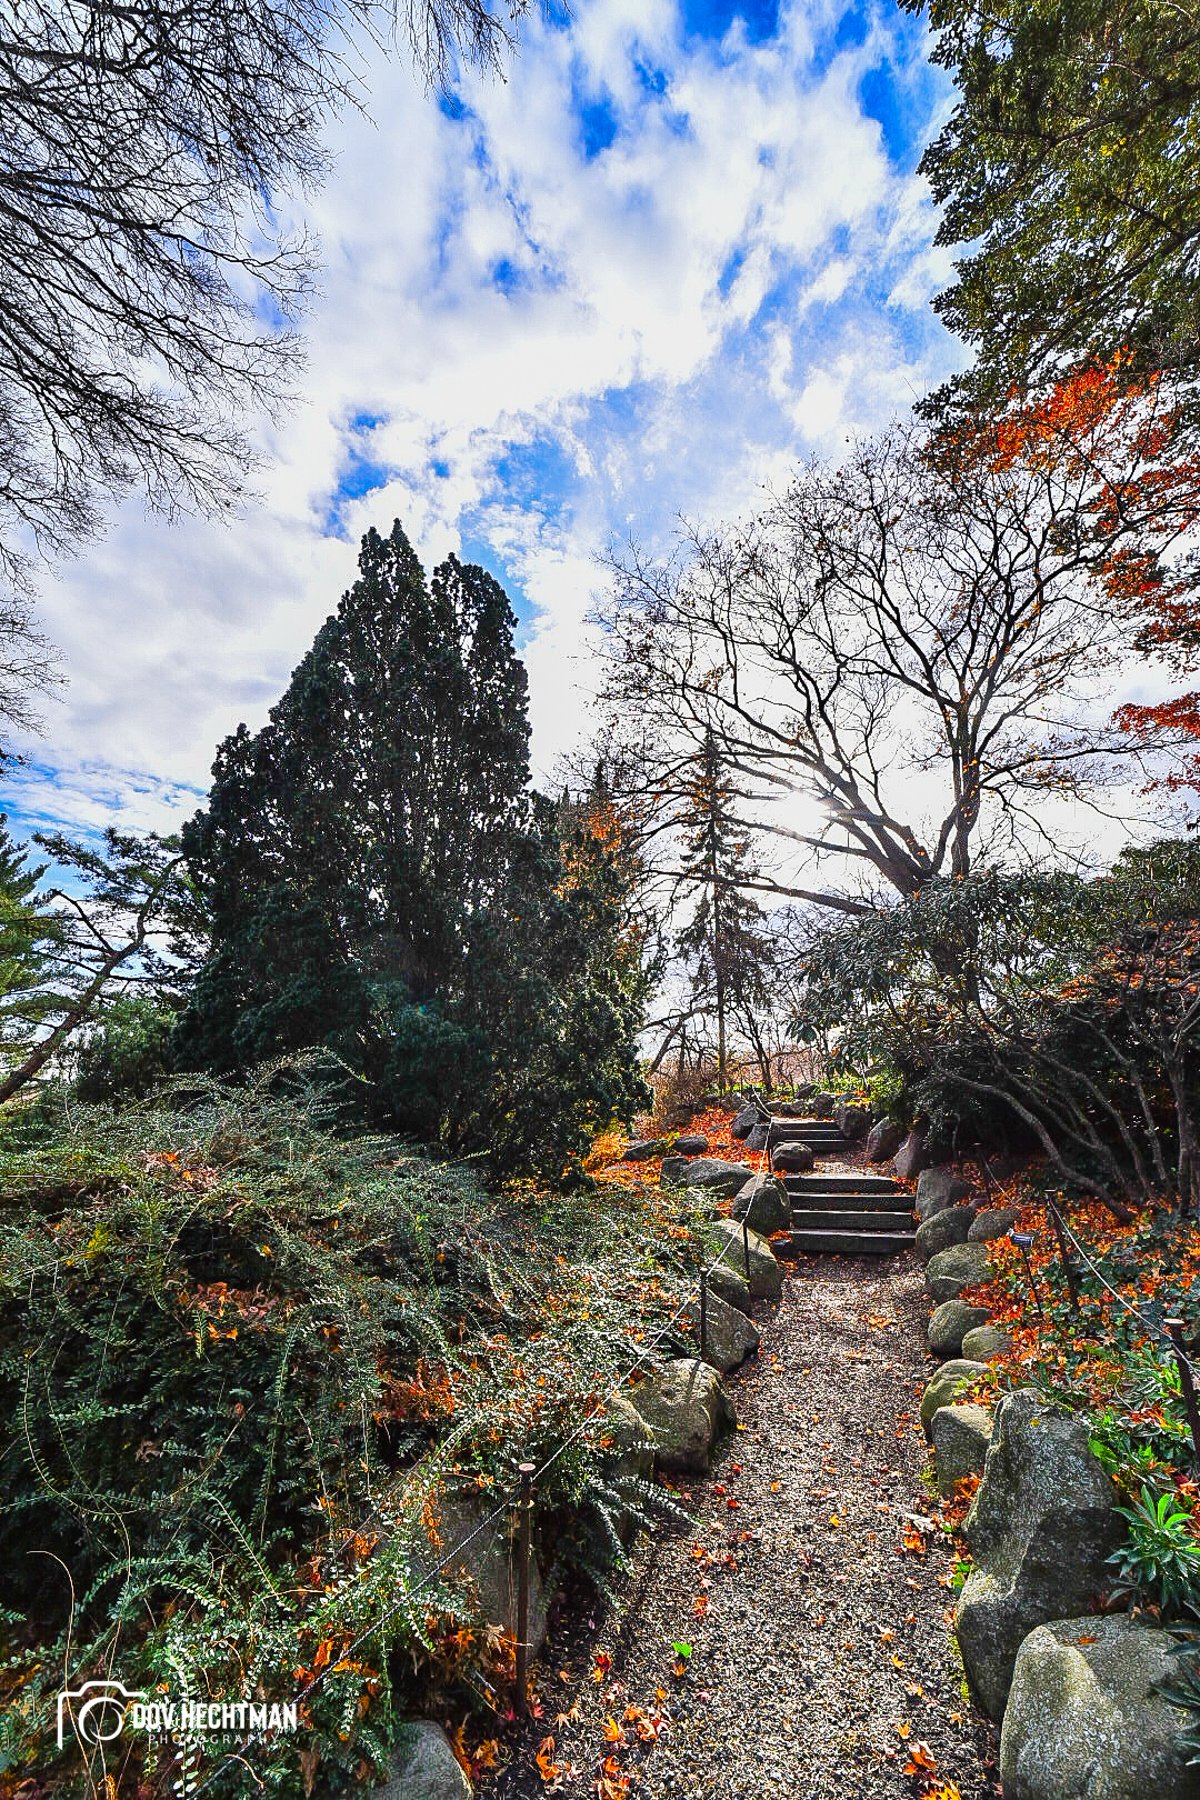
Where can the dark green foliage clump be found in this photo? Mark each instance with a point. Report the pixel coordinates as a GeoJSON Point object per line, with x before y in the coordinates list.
{"type": "Point", "coordinates": [244, 1364]}
{"type": "Point", "coordinates": [384, 885]}
{"type": "Point", "coordinates": [1059, 1010]}
{"type": "Point", "coordinates": [1070, 166]}
{"type": "Point", "coordinates": [30, 939]}
{"type": "Point", "coordinates": [128, 1052]}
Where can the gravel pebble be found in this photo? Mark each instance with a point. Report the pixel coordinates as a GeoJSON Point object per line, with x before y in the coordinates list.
{"type": "Point", "coordinates": [819, 1643]}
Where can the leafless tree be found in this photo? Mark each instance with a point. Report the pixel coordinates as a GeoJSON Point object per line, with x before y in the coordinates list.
{"type": "Point", "coordinates": [30, 668]}
{"type": "Point", "coordinates": [147, 292]}
{"type": "Point", "coordinates": [919, 650]}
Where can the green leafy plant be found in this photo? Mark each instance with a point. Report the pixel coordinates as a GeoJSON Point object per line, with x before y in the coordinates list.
{"type": "Point", "coordinates": [1181, 1687]}
{"type": "Point", "coordinates": [257, 1380]}
{"type": "Point", "coordinates": [1160, 1562]}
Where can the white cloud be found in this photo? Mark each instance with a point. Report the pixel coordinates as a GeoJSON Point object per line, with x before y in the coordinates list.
{"type": "Point", "coordinates": [738, 278]}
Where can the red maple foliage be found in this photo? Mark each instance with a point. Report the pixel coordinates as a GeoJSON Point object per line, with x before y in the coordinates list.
{"type": "Point", "coordinates": [1136, 449]}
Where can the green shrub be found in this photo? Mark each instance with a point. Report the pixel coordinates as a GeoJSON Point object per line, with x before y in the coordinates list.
{"type": "Point", "coordinates": [1160, 1562]}
{"type": "Point", "coordinates": [244, 1366]}
{"type": "Point", "coordinates": [127, 1053]}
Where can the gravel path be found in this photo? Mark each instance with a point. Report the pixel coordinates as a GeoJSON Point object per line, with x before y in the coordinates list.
{"type": "Point", "coordinates": [821, 1665]}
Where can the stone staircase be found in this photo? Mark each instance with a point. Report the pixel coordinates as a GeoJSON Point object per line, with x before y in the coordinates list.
{"type": "Point", "coordinates": [842, 1211]}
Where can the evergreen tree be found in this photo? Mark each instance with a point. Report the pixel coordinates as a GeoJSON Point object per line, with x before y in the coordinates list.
{"type": "Point", "coordinates": [724, 943]}
{"type": "Point", "coordinates": [557, 995]}
{"type": "Point", "coordinates": [29, 941]}
{"type": "Point", "coordinates": [344, 845]}
{"type": "Point", "coordinates": [1071, 167]}
{"type": "Point", "coordinates": [120, 919]}
{"type": "Point", "coordinates": [382, 885]}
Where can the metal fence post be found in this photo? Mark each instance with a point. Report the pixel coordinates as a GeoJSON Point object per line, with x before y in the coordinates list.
{"type": "Point", "coordinates": [524, 1512]}
{"type": "Point", "coordinates": [746, 1249]}
{"type": "Point", "coordinates": [1187, 1386]}
{"type": "Point", "coordinates": [1023, 1240]}
{"type": "Point", "coordinates": [704, 1315]}
{"type": "Point", "coordinates": [1065, 1254]}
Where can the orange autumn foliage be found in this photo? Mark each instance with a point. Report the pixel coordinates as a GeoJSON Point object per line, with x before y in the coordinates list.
{"type": "Point", "coordinates": [1135, 452]}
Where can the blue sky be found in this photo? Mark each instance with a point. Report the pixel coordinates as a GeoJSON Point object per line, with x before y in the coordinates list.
{"type": "Point", "coordinates": [680, 246]}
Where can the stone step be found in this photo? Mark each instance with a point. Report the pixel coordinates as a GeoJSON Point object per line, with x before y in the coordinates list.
{"type": "Point", "coordinates": [850, 1219]}
{"type": "Point", "coordinates": [824, 1181]}
{"type": "Point", "coordinates": [850, 1243]}
{"type": "Point", "coordinates": [891, 1206]}
{"type": "Point", "coordinates": [806, 1131]}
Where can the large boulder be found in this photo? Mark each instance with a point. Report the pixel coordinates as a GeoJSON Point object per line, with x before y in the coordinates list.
{"type": "Point", "coordinates": [632, 1445]}
{"type": "Point", "coordinates": [1041, 1529]}
{"type": "Point", "coordinates": [945, 1386]}
{"type": "Point", "coordinates": [693, 1144]}
{"type": "Point", "coordinates": [642, 1149]}
{"type": "Point", "coordinates": [686, 1407]}
{"type": "Point", "coordinates": [763, 1202]}
{"type": "Point", "coordinates": [951, 1271]}
{"type": "Point", "coordinates": [942, 1232]}
{"type": "Point", "coordinates": [992, 1222]}
{"type": "Point", "coordinates": [936, 1190]}
{"type": "Point", "coordinates": [950, 1324]}
{"type": "Point", "coordinates": [961, 1435]}
{"type": "Point", "coordinates": [707, 1172]}
{"type": "Point", "coordinates": [792, 1109]}
{"type": "Point", "coordinates": [766, 1276]}
{"type": "Point", "coordinates": [884, 1139]}
{"type": "Point", "coordinates": [793, 1159]}
{"type": "Point", "coordinates": [1085, 1721]}
{"type": "Point", "coordinates": [484, 1569]}
{"type": "Point", "coordinates": [756, 1143]}
{"type": "Point", "coordinates": [730, 1337]}
{"type": "Point", "coordinates": [853, 1122]}
{"type": "Point", "coordinates": [913, 1155]}
{"type": "Point", "coordinates": [745, 1121]}
{"type": "Point", "coordinates": [821, 1105]}
{"type": "Point", "coordinates": [424, 1767]}
{"type": "Point", "coordinates": [731, 1286]}
{"type": "Point", "coordinates": [984, 1341]}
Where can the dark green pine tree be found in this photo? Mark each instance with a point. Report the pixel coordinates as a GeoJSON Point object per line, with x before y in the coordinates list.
{"type": "Point", "coordinates": [558, 993]}
{"type": "Point", "coordinates": [345, 845]}
{"type": "Point", "coordinates": [381, 885]}
{"type": "Point", "coordinates": [724, 943]}
{"type": "Point", "coordinates": [30, 940]}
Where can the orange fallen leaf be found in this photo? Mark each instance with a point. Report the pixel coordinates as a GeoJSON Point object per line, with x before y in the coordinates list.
{"type": "Point", "coordinates": [547, 1768]}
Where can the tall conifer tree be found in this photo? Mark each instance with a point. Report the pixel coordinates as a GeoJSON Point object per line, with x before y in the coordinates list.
{"type": "Point", "coordinates": [724, 943]}
{"type": "Point", "coordinates": [382, 885]}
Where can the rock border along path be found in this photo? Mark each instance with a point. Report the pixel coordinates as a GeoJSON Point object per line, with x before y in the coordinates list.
{"type": "Point", "coordinates": [822, 1666]}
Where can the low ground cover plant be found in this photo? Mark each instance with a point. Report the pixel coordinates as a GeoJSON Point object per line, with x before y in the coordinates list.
{"type": "Point", "coordinates": [1111, 1359]}
{"type": "Point", "coordinates": [254, 1376]}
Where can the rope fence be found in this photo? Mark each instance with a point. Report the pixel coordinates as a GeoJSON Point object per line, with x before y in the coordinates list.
{"type": "Point", "coordinates": [1170, 1331]}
